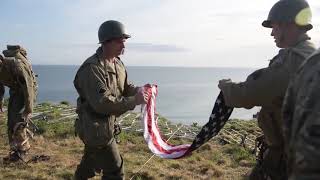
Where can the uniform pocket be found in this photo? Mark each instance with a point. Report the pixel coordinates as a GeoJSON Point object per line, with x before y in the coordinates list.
{"type": "Point", "coordinates": [96, 131]}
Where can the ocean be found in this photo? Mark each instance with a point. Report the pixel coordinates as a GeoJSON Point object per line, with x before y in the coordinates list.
{"type": "Point", "coordinates": [185, 95]}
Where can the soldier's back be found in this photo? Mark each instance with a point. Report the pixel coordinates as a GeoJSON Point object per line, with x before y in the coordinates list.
{"type": "Point", "coordinates": [301, 120]}
{"type": "Point", "coordinates": [7, 69]}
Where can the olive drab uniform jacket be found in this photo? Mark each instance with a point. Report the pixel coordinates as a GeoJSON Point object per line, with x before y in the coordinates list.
{"type": "Point", "coordinates": [104, 93]}
{"type": "Point", "coordinates": [301, 115]}
{"type": "Point", "coordinates": [16, 73]}
{"type": "Point", "coordinates": [266, 87]}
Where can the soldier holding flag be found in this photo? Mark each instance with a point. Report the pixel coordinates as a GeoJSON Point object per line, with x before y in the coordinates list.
{"type": "Point", "coordinates": [266, 87]}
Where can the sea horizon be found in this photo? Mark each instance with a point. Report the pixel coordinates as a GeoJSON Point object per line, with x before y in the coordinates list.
{"type": "Point", "coordinates": [185, 94]}
{"type": "Point", "coordinates": [159, 66]}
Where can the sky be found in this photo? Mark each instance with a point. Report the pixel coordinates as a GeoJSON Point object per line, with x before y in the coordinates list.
{"type": "Point", "coordinates": [195, 33]}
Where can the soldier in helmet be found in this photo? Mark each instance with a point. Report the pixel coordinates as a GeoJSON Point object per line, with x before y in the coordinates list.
{"type": "Point", "coordinates": [266, 87]}
{"type": "Point", "coordinates": [104, 94]}
{"type": "Point", "coordinates": [16, 73]}
{"type": "Point", "coordinates": [301, 116]}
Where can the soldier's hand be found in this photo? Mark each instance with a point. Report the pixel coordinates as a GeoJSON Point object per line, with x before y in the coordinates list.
{"type": "Point", "coordinates": [142, 97]}
{"type": "Point", "coordinates": [223, 82]}
{"type": "Point", "coordinates": [147, 85]}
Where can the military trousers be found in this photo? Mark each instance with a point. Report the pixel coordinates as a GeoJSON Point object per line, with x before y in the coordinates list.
{"type": "Point", "coordinates": [106, 159]}
{"type": "Point", "coordinates": [17, 134]}
{"type": "Point", "coordinates": [272, 166]}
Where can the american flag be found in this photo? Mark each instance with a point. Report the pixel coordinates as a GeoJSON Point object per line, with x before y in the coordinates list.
{"type": "Point", "coordinates": [218, 118]}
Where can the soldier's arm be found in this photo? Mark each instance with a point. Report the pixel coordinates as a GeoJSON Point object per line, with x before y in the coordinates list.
{"type": "Point", "coordinates": [306, 139]}
{"type": "Point", "coordinates": [262, 86]}
{"type": "Point", "coordinates": [259, 89]}
{"type": "Point", "coordinates": [98, 95]}
{"type": "Point", "coordinates": [25, 81]}
{"type": "Point", "coordinates": [129, 88]}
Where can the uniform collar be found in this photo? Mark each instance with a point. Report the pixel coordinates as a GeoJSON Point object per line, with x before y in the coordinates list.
{"type": "Point", "coordinates": [109, 66]}
{"type": "Point", "coordinates": [301, 38]}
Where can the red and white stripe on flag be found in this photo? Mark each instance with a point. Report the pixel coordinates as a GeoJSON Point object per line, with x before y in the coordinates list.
{"type": "Point", "coordinates": [152, 134]}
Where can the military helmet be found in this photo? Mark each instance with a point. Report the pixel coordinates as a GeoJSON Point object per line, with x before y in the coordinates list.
{"type": "Point", "coordinates": [12, 50]}
{"type": "Point", "coordinates": [111, 29]}
{"type": "Point", "coordinates": [286, 11]}
{"type": "Point", "coordinates": [19, 48]}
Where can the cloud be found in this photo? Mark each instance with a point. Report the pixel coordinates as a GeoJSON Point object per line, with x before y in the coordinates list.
{"type": "Point", "coordinates": [165, 31]}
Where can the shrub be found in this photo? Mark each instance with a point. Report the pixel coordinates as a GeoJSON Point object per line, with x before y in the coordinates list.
{"type": "Point", "coordinates": [65, 103]}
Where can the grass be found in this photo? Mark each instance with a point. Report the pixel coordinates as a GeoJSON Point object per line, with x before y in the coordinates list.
{"type": "Point", "coordinates": [56, 139]}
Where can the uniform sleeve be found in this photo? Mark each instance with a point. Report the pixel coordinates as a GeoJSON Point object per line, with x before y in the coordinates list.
{"type": "Point", "coordinates": [2, 91]}
{"type": "Point", "coordinates": [258, 90]}
{"type": "Point", "coordinates": [288, 109]}
{"type": "Point", "coordinates": [100, 98]}
{"type": "Point", "coordinates": [306, 140]}
{"type": "Point", "coordinates": [262, 86]}
{"type": "Point", "coordinates": [25, 81]}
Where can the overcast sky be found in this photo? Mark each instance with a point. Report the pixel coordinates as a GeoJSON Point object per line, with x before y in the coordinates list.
{"type": "Point", "coordinates": [202, 33]}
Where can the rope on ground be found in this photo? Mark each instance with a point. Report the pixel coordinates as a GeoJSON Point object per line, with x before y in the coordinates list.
{"type": "Point", "coordinates": [154, 154]}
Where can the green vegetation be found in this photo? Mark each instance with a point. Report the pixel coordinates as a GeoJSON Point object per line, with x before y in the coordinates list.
{"type": "Point", "coordinates": [55, 130]}
{"type": "Point", "coordinates": [6, 101]}
{"type": "Point", "coordinates": [55, 137]}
